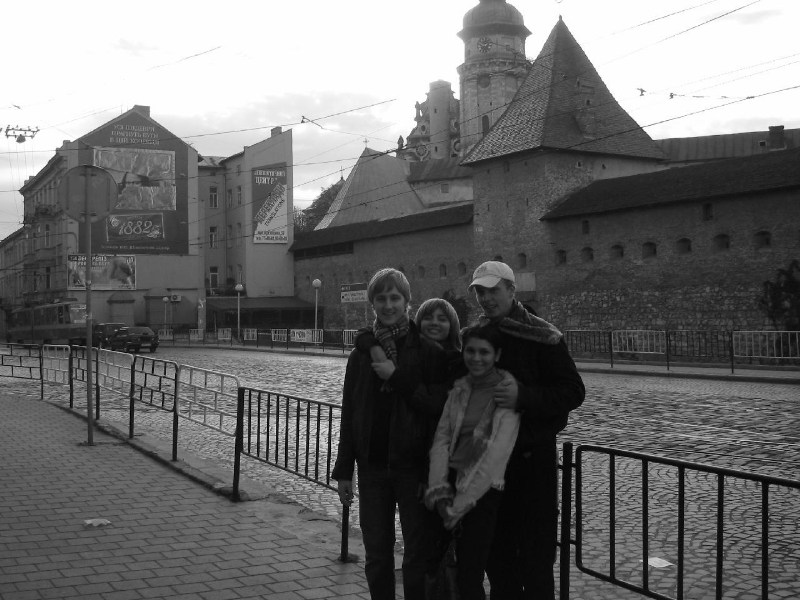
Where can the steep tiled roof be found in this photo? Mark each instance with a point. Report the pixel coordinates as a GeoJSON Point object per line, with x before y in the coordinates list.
{"type": "Point", "coordinates": [731, 177]}
{"type": "Point", "coordinates": [442, 168]}
{"type": "Point", "coordinates": [459, 214]}
{"type": "Point", "coordinates": [376, 188]}
{"type": "Point", "coordinates": [563, 104]}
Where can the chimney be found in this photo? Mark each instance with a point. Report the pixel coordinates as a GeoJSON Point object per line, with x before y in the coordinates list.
{"type": "Point", "coordinates": [142, 110]}
{"type": "Point", "coordinates": [275, 131]}
{"type": "Point", "coordinates": [776, 139]}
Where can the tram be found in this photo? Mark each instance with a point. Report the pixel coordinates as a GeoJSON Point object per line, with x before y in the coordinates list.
{"type": "Point", "coordinates": [58, 323]}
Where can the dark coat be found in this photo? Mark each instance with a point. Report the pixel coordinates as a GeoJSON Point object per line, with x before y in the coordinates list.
{"type": "Point", "coordinates": [413, 417]}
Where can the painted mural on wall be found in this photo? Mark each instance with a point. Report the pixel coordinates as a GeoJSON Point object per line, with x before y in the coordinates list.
{"type": "Point", "coordinates": [149, 214]}
{"type": "Point", "coordinates": [270, 199]}
{"type": "Point", "coordinates": [107, 273]}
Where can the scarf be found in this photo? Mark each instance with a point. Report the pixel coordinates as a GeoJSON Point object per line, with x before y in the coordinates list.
{"type": "Point", "coordinates": [521, 324]}
{"type": "Point", "coordinates": [387, 336]}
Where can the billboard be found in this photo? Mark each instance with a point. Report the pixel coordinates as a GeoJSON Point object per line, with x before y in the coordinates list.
{"type": "Point", "coordinates": [150, 212]}
{"type": "Point", "coordinates": [108, 272]}
{"type": "Point", "coordinates": [270, 205]}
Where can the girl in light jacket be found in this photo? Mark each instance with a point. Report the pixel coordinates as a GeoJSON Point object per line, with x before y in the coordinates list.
{"type": "Point", "coordinates": [471, 448]}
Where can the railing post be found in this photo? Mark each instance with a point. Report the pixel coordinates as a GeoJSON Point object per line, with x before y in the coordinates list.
{"type": "Point", "coordinates": [666, 333]}
{"type": "Point", "coordinates": [131, 397]}
{"type": "Point", "coordinates": [730, 348]}
{"type": "Point", "coordinates": [97, 385]}
{"type": "Point", "coordinates": [238, 443]}
{"type": "Point", "coordinates": [41, 372]}
{"type": "Point", "coordinates": [611, 346]}
{"type": "Point", "coordinates": [566, 521]}
{"type": "Point", "coordinates": [70, 366]}
{"type": "Point", "coordinates": [175, 413]}
{"type": "Point", "coordinates": [287, 338]}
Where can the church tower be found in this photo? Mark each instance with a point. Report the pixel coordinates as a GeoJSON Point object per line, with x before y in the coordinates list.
{"type": "Point", "coordinates": [494, 66]}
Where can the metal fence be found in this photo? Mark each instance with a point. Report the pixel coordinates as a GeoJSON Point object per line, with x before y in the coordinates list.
{"type": "Point", "coordinates": [713, 519]}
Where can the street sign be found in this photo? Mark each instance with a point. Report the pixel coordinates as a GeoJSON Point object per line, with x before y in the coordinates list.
{"type": "Point", "coordinates": [354, 292]}
{"type": "Point", "coordinates": [87, 188]}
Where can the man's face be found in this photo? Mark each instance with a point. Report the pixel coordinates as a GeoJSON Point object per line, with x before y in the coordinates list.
{"type": "Point", "coordinates": [389, 306]}
{"type": "Point", "coordinates": [496, 301]}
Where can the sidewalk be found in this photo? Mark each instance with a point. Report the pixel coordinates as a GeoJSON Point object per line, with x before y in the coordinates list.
{"type": "Point", "coordinates": [166, 536]}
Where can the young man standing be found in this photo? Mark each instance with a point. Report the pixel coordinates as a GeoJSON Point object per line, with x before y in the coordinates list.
{"type": "Point", "coordinates": [545, 388]}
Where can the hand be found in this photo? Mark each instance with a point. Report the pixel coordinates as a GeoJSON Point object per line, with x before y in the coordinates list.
{"type": "Point", "coordinates": [506, 393]}
{"type": "Point", "coordinates": [442, 506]}
{"type": "Point", "coordinates": [345, 489]}
{"type": "Point", "coordinates": [383, 369]}
{"type": "Point", "coordinates": [377, 354]}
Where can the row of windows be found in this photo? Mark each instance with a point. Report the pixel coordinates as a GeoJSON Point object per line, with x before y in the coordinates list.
{"type": "Point", "coordinates": [213, 197]}
{"type": "Point", "coordinates": [721, 243]}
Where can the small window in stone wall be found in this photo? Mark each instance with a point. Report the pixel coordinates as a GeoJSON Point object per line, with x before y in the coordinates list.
{"type": "Point", "coordinates": [561, 257]}
{"type": "Point", "coordinates": [462, 268]}
{"type": "Point", "coordinates": [522, 260]}
{"type": "Point", "coordinates": [587, 255]}
{"type": "Point", "coordinates": [762, 239]}
{"type": "Point", "coordinates": [722, 242]}
{"type": "Point", "coordinates": [649, 250]}
{"type": "Point", "coordinates": [421, 272]}
{"type": "Point", "coordinates": [617, 251]}
{"type": "Point", "coordinates": [584, 226]}
{"type": "Point", "coordinates": [442, 270]}
{"type": "Point", "coordinates": [683, 246]}
{"type": "Point", "coordinates": [708, 211]}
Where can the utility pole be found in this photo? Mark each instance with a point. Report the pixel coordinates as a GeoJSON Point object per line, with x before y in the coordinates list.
{"type": "Point", "coordinates": [21, 134]}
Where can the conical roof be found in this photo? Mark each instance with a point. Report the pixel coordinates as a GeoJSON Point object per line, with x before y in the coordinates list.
{"type": "Point", "coordinates": [563, 104]}
{"type": "Point", "coordinates": [376, 188]}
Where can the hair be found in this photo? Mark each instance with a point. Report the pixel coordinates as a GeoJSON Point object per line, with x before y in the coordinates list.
{"type": "Point", "coordinates": [483, 332]}
{"type": "Point", "coordinates": [386, 279]}
{"type": "Point", "coordinates": [429, 306]}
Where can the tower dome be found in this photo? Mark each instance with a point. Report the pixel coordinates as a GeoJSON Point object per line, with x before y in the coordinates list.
{"type": "Point", "coordinates": [493, 16]}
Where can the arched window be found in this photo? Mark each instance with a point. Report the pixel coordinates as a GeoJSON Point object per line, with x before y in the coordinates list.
{"type": "Point", "coordinates": [462, 268]}
{"type": "Point", "coordinates": [587, 254]}
{"type": "Point", "coordinates": [617, 251]}
{"type": "Point", "coordinates": [522, 260]}
{"type": "Point", "coordinates": [421, 272]}
{"type": "Point", "coordinates": [561, 257]}
{"type": "Point", "coordinates": [762, 239]}
{"type": "Point", "coordinates": [683, 246]}
{"type": "Point", "coordinates": [722, 242]}
{"type": "Point", "coordinates": [648, 250]}
{"type": "Point", "coordinates": [442, 270]}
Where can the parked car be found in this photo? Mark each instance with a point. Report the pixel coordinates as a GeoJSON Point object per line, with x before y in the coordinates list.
{"type": "Point", "coordinates": [133, 339]}
{"type": "Point", "coordinates": [103, 332]}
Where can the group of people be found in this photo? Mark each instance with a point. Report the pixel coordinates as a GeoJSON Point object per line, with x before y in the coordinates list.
{"type": "Point", "coordinates": [456, 429]}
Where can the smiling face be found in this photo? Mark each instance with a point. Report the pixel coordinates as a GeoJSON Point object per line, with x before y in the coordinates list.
{"type": "Point", "coordinates": [435, 326]}
{"type": "Point", "coordinates": [389, 306]}
{"type": "Point", "coordinates": [496, 301]}
{"type": "Point", "coordinates": [480, 357]}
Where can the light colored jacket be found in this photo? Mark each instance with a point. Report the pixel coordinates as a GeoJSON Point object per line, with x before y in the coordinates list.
{"type": "Point", "coordinates": [495, 433]}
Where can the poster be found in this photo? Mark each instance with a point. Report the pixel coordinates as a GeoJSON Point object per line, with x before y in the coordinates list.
{"type": "Point", "coordinates": [270, 200]}
{"type": "Point", "coordinates": [109, 272]}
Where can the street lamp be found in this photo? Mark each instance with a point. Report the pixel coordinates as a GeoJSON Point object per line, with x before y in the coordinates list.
{"type": "Point", "coordinates": [317, 284]}
{"type": "Point", "coordinates": [239, 289]}
{"type": "Point", "coordinates": [165, 300]}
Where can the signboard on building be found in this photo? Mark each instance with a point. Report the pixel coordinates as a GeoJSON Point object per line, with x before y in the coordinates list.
{"type": "Point", "coordinates": [149, 212]}
{"type": "Point", "coordinates": [354, 292]}
{"type": "Point", "coordinates": [107, 273]}
{"type": "Point", "coordinates": [270, 205]}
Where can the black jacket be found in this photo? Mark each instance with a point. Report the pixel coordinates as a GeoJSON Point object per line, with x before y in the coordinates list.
{"type": "Point", "coordinates": [412, 419]}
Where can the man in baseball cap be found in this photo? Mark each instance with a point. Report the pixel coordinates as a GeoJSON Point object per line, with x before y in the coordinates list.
{"type": "Point", "coordinates": [545, 387]}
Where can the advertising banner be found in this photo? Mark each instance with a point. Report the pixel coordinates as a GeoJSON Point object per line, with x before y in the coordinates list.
{"type": "Point", "coordinates": [354, 292]}
{"type": "Point", "coordinates": [107, 273]}
{"type": "Point", "coordinates": [270, 200]}
{"type": "Point", "coordinates": [149, 214]}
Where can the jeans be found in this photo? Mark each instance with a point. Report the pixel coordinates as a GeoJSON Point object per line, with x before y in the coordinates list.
{"type": "Point", "coordinates": [474, 536]}
{"type": "Point", "coordinates": [523, 552]}
{"type": "Point", "coordinates": [380, 491]}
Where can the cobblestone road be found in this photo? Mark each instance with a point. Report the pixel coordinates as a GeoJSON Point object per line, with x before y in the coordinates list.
{"type": "Point", "coordinates": [748, 426]}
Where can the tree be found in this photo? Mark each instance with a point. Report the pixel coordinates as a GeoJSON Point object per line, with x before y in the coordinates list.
{"type": "Point", "coordinates": [781, 298]}
{"type": "Point", "coordinates": [306, 220]}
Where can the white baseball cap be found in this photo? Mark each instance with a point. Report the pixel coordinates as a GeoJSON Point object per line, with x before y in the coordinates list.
{"type": "Point", "coordinates": [490, 273]}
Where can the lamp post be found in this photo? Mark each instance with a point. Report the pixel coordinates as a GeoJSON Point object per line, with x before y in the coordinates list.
{"type": "Point", "coordinates": [317, 284]}
{"type": "Point", "coordinates": [239, 289]}
{"type": "Point", "coordinates": [165, 300]}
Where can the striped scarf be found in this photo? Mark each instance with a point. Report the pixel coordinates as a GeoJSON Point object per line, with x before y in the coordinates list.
{"type": "Point", "coordinates": [387, 336]}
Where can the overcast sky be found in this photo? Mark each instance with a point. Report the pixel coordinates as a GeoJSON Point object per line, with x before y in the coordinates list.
{"type": "Point", "coordinates": [221, 75]}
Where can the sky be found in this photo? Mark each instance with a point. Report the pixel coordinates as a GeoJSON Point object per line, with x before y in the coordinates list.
{"type": "Point", "coordinates": [221, 75]}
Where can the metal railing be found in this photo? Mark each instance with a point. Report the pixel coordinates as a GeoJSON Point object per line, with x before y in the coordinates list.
{"type": "Point", "coordinates": [154, 382]}
{"type": "Point", "coordinates": [618, 489]}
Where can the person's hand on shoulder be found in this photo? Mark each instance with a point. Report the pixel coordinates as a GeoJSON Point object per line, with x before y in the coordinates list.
{"type": "Point", "coordinates": [506, 393]}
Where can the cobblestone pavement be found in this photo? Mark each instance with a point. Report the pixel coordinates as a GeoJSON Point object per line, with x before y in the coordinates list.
{"type": "Point", "coordinates": [736, 424]}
